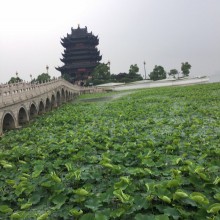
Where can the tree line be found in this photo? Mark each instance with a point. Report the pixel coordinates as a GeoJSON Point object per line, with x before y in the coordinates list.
{"type": "Point", "coordinates": [159, 73]}
{"type": "Point", "coordinates": [101, 74]}
{"type": "Point", "coordinates": [44, 77]}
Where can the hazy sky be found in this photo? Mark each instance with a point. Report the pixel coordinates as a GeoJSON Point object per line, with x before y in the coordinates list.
{"type": "Point", "coordinates": [160, 32]}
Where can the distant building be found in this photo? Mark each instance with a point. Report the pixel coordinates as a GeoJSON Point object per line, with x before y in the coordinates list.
{"type": "Point", "coordinates": [80, 55]}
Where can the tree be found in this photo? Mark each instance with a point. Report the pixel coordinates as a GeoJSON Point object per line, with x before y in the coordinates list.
{"type": "Point", "coordinates": [15, 80]}
{"type": "Point", "coordinates": [100, 75]}
{"type": "Point", "coordinates": [133, 74]}
{"type": "Point", "coordinates": [134, 69]}
{"type": "Point", "coordinates": [185, 68]}
{"type": "Point", "coordinates": [173, 73]}
{"type": "Point", "coordinates": [158, 73]}
{"type": "Point", "coordinates": [102, 71]}
{"type": "Point", "coordinates": [43, 78]}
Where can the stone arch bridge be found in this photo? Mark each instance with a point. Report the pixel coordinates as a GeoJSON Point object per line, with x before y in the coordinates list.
{"type": "Point", "coordinates": [21, 102]}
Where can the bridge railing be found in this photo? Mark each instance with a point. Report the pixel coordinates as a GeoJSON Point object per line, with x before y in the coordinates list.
{"type": "Point", "coordinates": [16, 92]}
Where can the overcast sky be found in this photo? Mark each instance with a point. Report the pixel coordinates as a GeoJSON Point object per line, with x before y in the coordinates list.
{"type": "Point", "coordinates": [160, 32]}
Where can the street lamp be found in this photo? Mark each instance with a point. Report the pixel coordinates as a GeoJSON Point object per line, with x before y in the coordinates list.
{"type": "Point", "coordinates": [31, 77]}
{"type": "Point", "coordinates": [47, 68]}
{"type": "Point", "coordinates": [16, 76]}
{"type": "Point", "coordinates": [109, 66]}
{"type": "Point", "coordinates": [144, 70]}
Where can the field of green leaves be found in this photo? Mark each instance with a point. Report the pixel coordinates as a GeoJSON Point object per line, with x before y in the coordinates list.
{"type": "Point", "coordinates": [150, 155]}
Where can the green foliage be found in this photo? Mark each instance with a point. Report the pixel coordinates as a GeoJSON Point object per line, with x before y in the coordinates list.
{"type": "Point", "coordinates": [101, 75]}
{"type": "Point", "coordinates": [15, 80]}
{"type": "Point", "coordinates": [185, 68]}
{"type": "Point", "coordinates": [44, 77]}
{"type": "Point", "coordinates": [102, 71]}
{"type": "Point", "coordinates": [173, 72]}
{"type": "Point", "coordinates": [126, 78]}
{"type": "Point", "coordinates": [134, 69]}
{"type": "Point", "coordinates": [158, 73]}
{"type": "Point", "coordinates": [153, 154]}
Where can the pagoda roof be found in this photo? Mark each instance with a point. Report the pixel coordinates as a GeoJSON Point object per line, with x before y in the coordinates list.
{"type": "Point", "coordinates": [78, 65]}
{"type": "Point", "coordinates": [82, 57]}
{"type": "Point", "coordinates": [79, 33]}
{"type": "Point", "coordinates": [79, 53]}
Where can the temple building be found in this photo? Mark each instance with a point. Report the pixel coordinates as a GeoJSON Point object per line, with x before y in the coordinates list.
{"type": "Point", "coordinates": [80, 55]}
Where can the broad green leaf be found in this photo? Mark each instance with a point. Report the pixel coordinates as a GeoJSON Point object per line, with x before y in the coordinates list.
{"type": "Point", "coordinates": [124, 198]}
{"type": "Point", "coordinates": [76, 212]}
{"type": "Point", "coordinates": [15, 215]}
{"type": "Point", "coordinates": [108, 165]}
{"type": "Point", "coordinates": [6, 164]}
{"type": "Point", "coordinates": [173, 183]}
{"type": "Point", "coordinates": [93, 204]}
{"type": "Point", "coordinates": [5, 209]}
{"type": "Point", "coordinates": [217, 196]}
{"type": "Point", "coordinates": [36, 197]}
{"type": "Point", "coordinates": [144, 217]}
{"type": "Point", "coordinates": [99, 216]}
{"type": "Point", "coordinates": [37, 170]}
{"type": "Point", "coordinates": [122, 184]}
{"type": "Point", "coordinates": [55, 177]}
{"type": "Point", "coordinates": [165, 199]}
{"type": "Point", "coordinates": [117, 212]}
{"type": "Point", "coordinates": [44, 216]}
{"type": "Point", "coordinates": [140, 202]}
{"type": "Point", "coordinates": [88, 216]}
{"type": "Point", "coordinates": [81, 192]}
{"type": "Point", "coordinates": [26, 205]}
{"type": "Point", "coordinates": [216, 181]}
{"type": "Point", "coordinates": [199, 198]}
{"type": "Point", "coordinates": [179, 194]}
{"type": "Point", "coordinates": [172, 212]}
{"type": "Point", "coordinates": [214, 208]}
{"type": "Point", "coordinates": [10, 182]}
{"type": "Point", "coordinates": [161, 217]}
{"type": "Point", "coordinates": [69, 166]}
{"type": "Point", "coordinates": [59, 200]}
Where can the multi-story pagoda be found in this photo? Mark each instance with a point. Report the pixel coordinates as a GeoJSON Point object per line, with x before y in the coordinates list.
{"type": "Point", "coordinates": [80, 55]}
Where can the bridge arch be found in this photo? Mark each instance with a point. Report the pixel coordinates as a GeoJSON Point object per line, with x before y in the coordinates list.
{"type": "Point", "coordinates": [22, 101]}
{"type": "Point", "coordinates": [8, 121]}
{"type": "Point", "coordinates": [58, 98]}
{"type": "Point", "coordinates": [67, 96]}
{"type": "Point", "coordinates": [33, 110]}
{"type": "Point", "coordinates": [41, 107]}
{"type": "Point", "coordinates": [22, 116]}
{"type": "Point", "coordinates": [53, 101]}
{"type": "Point", "coordinates": [47, 105]}
{"type": "Point", "coordinates": [62, 96]}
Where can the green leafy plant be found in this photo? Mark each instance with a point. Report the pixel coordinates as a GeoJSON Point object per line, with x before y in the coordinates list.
{"type": "Point", "coordinates": [151, 154]}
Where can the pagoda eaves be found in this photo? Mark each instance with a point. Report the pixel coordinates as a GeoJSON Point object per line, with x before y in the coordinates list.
{"type": "Point", "coordinates": [80, 55]}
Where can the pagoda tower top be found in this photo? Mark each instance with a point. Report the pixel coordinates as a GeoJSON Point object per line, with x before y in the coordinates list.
{"type": "Point", "coordinates": [78, 33]}
{"type": "Point", "coordinates": [81, 54]}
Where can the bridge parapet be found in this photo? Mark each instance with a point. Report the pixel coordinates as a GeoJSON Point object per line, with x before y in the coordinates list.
{"type": "Point", "coordinates": [21, 102]}
{"type": "Point", "coordinates": [17, 92]}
